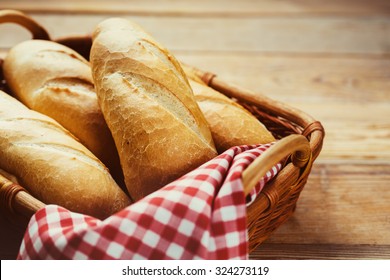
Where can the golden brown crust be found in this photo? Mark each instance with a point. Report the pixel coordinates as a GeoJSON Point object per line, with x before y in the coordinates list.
{"type": "Point", "coordinates": [56, 81]}
{"type": "Point", "coordinates": [230, 124]}
{"type": "Point", "coordinates": [191, 74]}
{"type": "Point", "coordinates": [54, 167]}
{"type": "Point", "coordinates": [158, 128]}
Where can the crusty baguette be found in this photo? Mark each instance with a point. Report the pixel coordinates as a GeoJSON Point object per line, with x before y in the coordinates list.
{"type": "Point", "coordinates": [158, 128]}
{"type": "Point", "coordinates": [52, 165]}
{"type": "Point", "coordinates": [230, 124]}
{"type": "Point", "coordinates": [56, 81]}
{"type": "Point", "coordinates": [191, 74]}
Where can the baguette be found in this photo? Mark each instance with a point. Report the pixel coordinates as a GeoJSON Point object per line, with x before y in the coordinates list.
{"type": "Point", "coordinates": [158, 128]}
{"type": "Point", "coordinates": [56, 81]}
{"type": "Point", "coordinates": [52, 165]}
{"type": "Point", "coordinates": [191, 74]}
{"type": "Point", "coordinates": [230, 124]}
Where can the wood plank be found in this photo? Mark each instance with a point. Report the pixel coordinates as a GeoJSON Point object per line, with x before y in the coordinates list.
{"type": "Point", "coordinates": [205, 8]}
{"type": "Point", "coordinates": [354, 132]}
{"type": "Point", "coordinates": [365, 35]}
{"type": "Point", "coordinates": [301, 77]}
{"type": "Point", "coordinates": [321, 252]}
{"type": "Point", "coordinates": [341, 204]}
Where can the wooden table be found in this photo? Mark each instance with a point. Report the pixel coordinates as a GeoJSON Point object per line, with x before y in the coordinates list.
{"type": "Point", "coordinates": [330, 59]}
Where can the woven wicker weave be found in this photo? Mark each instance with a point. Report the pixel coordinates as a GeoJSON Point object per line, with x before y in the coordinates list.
{"type": "Point", "coordinates": [300, 143]}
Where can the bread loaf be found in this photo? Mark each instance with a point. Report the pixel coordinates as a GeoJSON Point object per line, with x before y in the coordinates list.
{"type": "Point", "coordinates": [192, 74]}
{"type": "Point", "coordinates": [56, 81]}
{"type": "Point", "coordinates": [158, 128]}
{"type": "Point", "coordinates": [230, 124]}
{"type": "Point", "coordinates": [52, 165]}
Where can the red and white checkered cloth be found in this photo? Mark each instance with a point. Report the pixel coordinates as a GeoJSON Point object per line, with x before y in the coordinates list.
{"type": "Point", "coordinates": [199, 216]}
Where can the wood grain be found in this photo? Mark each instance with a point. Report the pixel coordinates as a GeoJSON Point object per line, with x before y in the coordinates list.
{"type": "Point", "coordinates": [321, 252]}
{"type": "Point", "coordinates": [274, 34]}
{"type": "Point", "coordinates": [203, 8]}
{"type": "Point", "coordinates": [314, 78]}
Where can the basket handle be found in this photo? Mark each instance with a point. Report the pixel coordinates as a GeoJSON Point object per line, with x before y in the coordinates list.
{"type": "Point", "coordinates": [13, 16]}
{"type": "Point", "coordinates": [295, 145]}
{"type": "Point", "coordinates": [16, 201]}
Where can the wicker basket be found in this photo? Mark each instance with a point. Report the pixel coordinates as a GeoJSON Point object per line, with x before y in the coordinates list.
{"type": "Point", "coordinates": [300, 142]}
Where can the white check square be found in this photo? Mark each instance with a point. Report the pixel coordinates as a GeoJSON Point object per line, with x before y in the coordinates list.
{"type": "Point", "coordinates": [115, 250]}
{"type": "Point", "coordinates": [151, 239]}
{"type": "Point", "coordinates": [186, 227]}
{"type": "Point", "coordinates": [175, 251]}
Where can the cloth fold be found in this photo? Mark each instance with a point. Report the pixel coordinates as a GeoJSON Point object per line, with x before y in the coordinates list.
{"type": "Point", "coordinates": [202, 215]}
